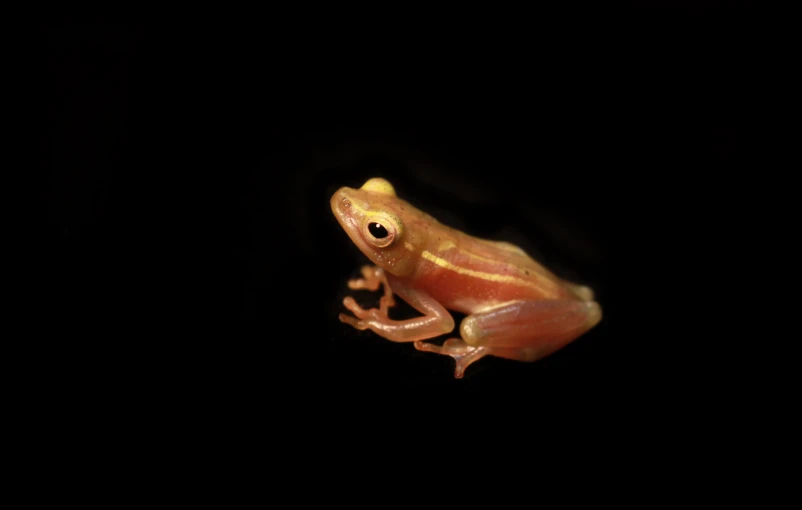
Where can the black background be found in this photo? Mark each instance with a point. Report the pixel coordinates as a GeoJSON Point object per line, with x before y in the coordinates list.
{"type": "Point", "coordinates": [190, 255]}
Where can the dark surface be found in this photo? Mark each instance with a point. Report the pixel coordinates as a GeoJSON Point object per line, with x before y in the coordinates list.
{"type": "Point", "coordinates": [190, 254]}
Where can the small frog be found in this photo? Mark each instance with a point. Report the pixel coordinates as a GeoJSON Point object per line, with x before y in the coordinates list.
{"type": "Point", "coordinates": [516, 308]}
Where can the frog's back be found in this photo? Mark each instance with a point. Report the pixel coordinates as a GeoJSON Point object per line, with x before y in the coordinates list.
{"type": "Point", "coordinates": [506, 258]}
{"type": "Point", "coordinates": [470, 274]}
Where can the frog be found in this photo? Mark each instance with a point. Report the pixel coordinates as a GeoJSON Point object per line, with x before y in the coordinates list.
{"type": "Point", "coordinates": [515, 308]}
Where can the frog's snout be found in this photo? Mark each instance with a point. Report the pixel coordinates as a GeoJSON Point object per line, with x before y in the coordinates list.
{"type": "Point", "coordinates": [340, 202]}
{"type": "Point", "coordinates": [345, 208]}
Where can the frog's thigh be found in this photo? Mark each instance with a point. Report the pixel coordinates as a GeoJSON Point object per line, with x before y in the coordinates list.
{"type": "Point", "coordinates": [529, 330]}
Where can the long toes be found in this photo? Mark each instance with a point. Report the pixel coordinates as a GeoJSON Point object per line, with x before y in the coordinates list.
{"type": "Point", "coordinates": [462, 364]}
{"type": "Point", "coordinates": [353, 321]}
{"type": "Point", "coordinates": [357, 310]}
{"type": "Point", "coordinates": [427, 347]}
{"type": "Point", "coordinates": [466, 359]}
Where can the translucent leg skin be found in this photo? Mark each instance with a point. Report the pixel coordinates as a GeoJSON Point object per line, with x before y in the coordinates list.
{"type": "Point", "coordinates": [523, 331]}
{"type": "Point", "coordinates": [462, 353]}
{"type": "Point", "coordinates": [372, 277]}
{"type": "Point", "coordinates": [435, 321]}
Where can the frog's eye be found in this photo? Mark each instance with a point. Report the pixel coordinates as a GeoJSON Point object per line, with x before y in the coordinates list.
{"type": "Point", "coordinates": [381, 231]}
{"type": "Point", "coordinates": [377, 230]}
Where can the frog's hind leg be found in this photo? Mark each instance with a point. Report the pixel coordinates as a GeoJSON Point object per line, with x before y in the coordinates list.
{"type": "Point", "coordinates": [523, 331]}
{"type": "Point", "coordinates": [530, 330]}
{"type": "Point", "coordinates": [462, 353]}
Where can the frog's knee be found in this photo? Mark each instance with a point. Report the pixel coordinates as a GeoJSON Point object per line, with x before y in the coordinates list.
{"type": "Point", "coordinates": [594, 314]}
{"type": "Point", "coordinates": [471, 331]}
{"type": "Point", "coordinates": [447, 324]}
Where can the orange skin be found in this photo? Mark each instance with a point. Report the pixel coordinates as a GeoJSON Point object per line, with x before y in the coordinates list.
{"type": "Point", "coordinates": [517, 309]}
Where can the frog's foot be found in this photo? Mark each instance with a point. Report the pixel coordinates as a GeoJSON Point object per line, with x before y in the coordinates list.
{"type": "Point", "coordinates": [361, 321]}
{"type": "Point", "coordinates": [372, 277]}
{"type": "Point", "coordinates": [462, 353]}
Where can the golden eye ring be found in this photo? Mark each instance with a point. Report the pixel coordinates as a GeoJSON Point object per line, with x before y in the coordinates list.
{"type": "Point", "coordinates": [381, 231]}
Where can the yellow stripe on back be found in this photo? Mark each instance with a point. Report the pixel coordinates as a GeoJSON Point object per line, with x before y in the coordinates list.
{"type": "Point", "coordinates": [493, 277]}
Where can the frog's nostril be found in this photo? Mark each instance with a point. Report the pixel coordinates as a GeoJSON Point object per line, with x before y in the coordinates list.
{"type": "Point", "coordinates": [345, 203]}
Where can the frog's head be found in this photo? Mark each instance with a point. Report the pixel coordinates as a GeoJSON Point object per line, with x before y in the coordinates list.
{"type": "Point", "coordinates": [383, 226]}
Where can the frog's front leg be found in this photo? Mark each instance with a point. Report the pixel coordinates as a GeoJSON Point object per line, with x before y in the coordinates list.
{"type": "Point", "coordinates": [373, 276]}
{"type": "Point", "coordinates": [435, 321]}
{"type": "Point", "coordinates": [523, 330]}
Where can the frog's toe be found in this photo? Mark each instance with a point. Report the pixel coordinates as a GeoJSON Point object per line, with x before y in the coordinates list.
{"type": "Point", "coordinates": [353, 321]}
{"type": "Point", "coordinates": [462, 353]}
{"type": "Point", "coordinates": [426, 347]}
{"type": "Point", "coordinates": [357, 310]}
{"type": "Point", "coordinates": [469, 356]}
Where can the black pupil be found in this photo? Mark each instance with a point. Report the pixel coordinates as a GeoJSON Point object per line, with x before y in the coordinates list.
{"type": "Point", "coordinates": [377, 230]}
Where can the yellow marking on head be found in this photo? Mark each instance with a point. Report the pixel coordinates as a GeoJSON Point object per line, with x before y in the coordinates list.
{"type": "Point", "coordinates": [493, 277]}
{"type": "Point", "coordinates": [370, 214]}
{"type": "Point", "coordinates": [379, 185]}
